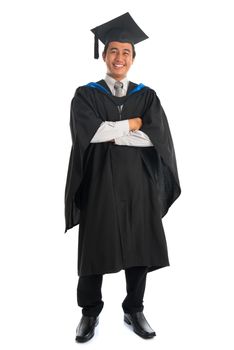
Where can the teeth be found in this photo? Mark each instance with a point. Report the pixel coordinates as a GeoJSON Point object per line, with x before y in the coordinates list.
{"type": "Point", "coordinates": [118, 65]}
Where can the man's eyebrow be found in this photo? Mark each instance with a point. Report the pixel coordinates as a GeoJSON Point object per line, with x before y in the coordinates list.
{"type": "Point", "coordinates": [115, 48]}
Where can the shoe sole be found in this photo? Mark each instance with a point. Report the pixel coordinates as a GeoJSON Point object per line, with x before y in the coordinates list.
{"type": "Point", "coordinates": [149, 336]}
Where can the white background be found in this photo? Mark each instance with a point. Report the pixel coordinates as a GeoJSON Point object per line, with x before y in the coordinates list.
{"type": "Point", "coordinates": [46, 53]}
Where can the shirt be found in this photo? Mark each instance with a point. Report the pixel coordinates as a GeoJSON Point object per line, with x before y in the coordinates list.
{"type": "Point", "coordinates": [119, 130]}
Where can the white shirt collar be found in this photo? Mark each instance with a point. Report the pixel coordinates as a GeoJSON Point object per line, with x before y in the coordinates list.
{"type": "Point", "coordinates": [111, 82]}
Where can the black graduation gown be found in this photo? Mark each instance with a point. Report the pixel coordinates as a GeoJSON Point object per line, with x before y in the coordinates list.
{"type": "Point", "coordinates": [119, 194]}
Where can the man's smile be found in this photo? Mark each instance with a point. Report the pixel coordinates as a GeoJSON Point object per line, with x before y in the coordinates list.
{"type": "Point", "coordinates": [118, 65]}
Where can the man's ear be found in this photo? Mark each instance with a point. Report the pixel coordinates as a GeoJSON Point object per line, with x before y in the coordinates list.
{"type": "Point", "coordinates": [104, 57]}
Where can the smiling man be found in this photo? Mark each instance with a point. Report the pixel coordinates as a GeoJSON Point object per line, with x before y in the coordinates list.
{"type": "Point", "coordinates": [122, 178]}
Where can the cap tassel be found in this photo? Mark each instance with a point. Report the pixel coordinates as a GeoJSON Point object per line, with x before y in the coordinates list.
{"type": "Point", "coordinates": [96, 47]}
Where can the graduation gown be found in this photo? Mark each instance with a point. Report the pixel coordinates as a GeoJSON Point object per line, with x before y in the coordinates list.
{"type": "Point", "coordinates": [118, 194]}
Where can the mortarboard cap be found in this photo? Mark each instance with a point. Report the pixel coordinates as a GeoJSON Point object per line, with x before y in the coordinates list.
{"type": "Point", "coordinates": [122, 29]}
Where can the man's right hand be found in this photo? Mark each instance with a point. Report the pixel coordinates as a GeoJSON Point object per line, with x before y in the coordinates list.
{"type": "Point", "coordinates": [135, 123]}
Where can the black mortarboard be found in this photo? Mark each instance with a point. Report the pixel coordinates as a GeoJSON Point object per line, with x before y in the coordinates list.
{"type": "Point", "coordinates": [122, 28]}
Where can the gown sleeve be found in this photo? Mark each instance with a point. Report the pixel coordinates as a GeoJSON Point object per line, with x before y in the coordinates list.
{"type": "Point", "coordinates": [155, 125]}
{"type": "Point", "coordinates": [84, 122]}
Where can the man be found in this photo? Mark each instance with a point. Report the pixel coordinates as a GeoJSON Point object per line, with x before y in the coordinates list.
{"type": "Point", "coordinates": [122, 178]}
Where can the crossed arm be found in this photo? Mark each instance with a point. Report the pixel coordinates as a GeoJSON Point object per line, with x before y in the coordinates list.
{"type": "Point", "coordinates": [124, 132]}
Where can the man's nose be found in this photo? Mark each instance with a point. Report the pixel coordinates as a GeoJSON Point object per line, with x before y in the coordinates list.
{"type": "Point", "coordinates": [119, 56]}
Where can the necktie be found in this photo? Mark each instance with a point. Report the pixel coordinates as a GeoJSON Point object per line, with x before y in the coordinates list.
{"type": "Point", "coordinates": [118, 89]}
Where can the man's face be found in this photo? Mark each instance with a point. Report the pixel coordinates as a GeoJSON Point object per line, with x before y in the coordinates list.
{"type": "Point", "coordinates": [118, 58]}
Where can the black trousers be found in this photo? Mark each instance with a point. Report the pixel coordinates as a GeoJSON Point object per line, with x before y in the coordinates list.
{"type": "Point", "coordinates": [89, 295]}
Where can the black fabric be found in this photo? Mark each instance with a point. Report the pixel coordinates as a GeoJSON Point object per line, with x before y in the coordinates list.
{"type": "Point", "coordinates": [119, 194]}
{"type": "Point", "coordinates": [135, 286]}
{"type": "Point", "coordinates": [89, 294]}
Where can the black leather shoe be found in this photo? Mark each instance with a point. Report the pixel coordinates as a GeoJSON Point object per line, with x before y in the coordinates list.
{"type": "Point", "coordinates": [85, 329]}
{"type": "Point", "coordinates": [140, 325]}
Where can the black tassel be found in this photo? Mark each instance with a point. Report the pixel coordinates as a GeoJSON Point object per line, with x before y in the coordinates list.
{"type": "Point", "coordinates": [96, 47]}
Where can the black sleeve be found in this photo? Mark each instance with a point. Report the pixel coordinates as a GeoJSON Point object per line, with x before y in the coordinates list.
{"type": "Point", "coordinates": [84, 122]}
{"type": "Point", "coordinates": [84, 118]}
{"type": "Point", "coordinates": [155, 125]}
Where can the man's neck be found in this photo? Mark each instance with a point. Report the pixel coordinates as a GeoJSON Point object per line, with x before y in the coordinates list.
{"type": "Point", "coordinates": [117, 79]}
{"type": "Point", "coordinates": [111, 82]}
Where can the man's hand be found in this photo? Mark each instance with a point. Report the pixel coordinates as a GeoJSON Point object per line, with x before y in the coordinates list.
{"type": "Point", "coordinates": [135, 123]}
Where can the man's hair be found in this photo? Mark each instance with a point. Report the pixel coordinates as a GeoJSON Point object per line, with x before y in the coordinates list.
{"type": "Point", "coordinates": [133, 49]}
